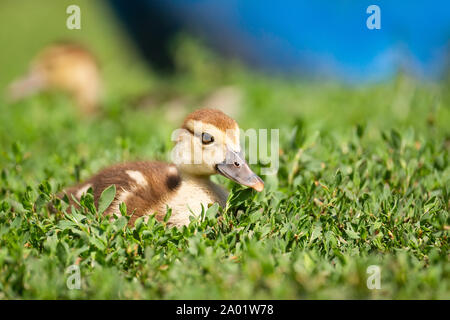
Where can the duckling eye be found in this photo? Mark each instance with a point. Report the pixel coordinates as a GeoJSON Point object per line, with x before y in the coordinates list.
{"type": "Point", "coordinates": [207, 138]}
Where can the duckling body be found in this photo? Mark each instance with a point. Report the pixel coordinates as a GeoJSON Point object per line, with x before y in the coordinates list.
{"type": "Point", "coordinates": [193, 193]}
{"type": "Point", "coordinates": [150, 187]}
{"type": "Point", "coordinates": [207, 144]}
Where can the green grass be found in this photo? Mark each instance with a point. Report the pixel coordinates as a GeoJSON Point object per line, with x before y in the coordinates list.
{"type": "Point", "coordinates": [363, 180]}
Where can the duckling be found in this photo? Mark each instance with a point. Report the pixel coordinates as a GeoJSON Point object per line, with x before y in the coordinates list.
{"type": "Point", "coordinates": [67, 67]}
{"type": "Point", "coordinates": [206, 144]}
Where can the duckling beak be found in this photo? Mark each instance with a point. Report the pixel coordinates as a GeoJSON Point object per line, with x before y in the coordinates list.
{"type": "Point", "coordinates": [236, 168]}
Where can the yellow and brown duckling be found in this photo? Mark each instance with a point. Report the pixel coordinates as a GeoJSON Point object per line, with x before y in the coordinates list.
{"type": "Point", "coordinates": [66, 67]}
{"type": "Point", "coordinates": [207, 144]}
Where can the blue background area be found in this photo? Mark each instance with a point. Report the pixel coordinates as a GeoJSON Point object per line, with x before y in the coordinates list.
{"type": "Point", "coordinates": [316, 38]}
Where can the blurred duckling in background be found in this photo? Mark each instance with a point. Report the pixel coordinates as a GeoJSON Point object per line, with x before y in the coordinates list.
{"type": "Point", "coordinates": [207, 144]}
{"type": "Point", "coordinates": [66, 67]}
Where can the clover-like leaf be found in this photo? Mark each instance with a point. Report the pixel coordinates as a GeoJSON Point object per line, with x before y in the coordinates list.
{"type": "Point", "coordinates": [106, 198]}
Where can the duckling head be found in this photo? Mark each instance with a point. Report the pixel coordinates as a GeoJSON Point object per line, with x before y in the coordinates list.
{"type": "Point", "coordinates": [208, 143]}
{"type": "Point", "coordinates": [67, 67]}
